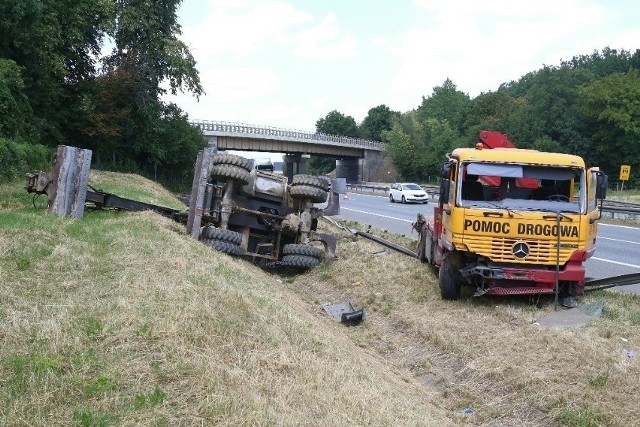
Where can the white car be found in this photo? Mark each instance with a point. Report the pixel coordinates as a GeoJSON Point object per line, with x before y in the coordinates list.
{"type": "Point", "coordinates": [407, 192]}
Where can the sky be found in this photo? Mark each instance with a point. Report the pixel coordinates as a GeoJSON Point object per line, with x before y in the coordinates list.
{"type": "Point", "coordinates": [289, 63]}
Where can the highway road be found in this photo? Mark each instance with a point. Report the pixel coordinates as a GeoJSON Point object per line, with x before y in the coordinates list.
{"type": "Point", "coordinates": [617, 247]}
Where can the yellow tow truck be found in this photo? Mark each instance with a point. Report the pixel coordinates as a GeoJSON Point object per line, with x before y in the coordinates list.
{"type": "Point", "coordinates": [513, 221]}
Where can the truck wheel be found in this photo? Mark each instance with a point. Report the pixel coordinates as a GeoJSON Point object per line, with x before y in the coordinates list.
{"type": "Point", "coordinates": [449, 285]}
{"type": "Point", "coordinates": [306, 250]}
{"type": "Point", "coordinates": [229, 172]}
{"type": "Point", "coordinates": [222, 246]}
{"type": "Point", "coordinates": [222, 158]}
{"type": "Point", "coordinates": [220, 234]}
{"type": "Point", "coordinates": [314, 194]}
{"type": "Point", "coordinates": [314, 181]}
{"type": "Point", "coordinates": [300, 261]}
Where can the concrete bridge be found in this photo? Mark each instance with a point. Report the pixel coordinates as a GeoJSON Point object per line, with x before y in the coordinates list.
{"type": "Point", "coordinates": [356, 159]}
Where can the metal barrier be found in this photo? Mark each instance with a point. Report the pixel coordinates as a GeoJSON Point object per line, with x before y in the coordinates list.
{"type": "Point", "coordinates": [384, 189]}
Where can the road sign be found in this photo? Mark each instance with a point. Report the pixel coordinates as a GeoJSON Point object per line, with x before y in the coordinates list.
{"type": "Point", "coordinates": [625, 171]}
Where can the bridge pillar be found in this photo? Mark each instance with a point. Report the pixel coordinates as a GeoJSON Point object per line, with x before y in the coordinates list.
{"type": "Point", "coordinates": [351, 169]}
{"type": "Point", "coordinates": [373, 161]}
{"type": "Point", "coordinates": [294, 164]}
{"type": "Point", "coordinates": [212, 141]}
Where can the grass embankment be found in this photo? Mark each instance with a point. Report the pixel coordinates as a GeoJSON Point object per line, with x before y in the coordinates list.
{"type": "Point", "coordinates": [120, 319]}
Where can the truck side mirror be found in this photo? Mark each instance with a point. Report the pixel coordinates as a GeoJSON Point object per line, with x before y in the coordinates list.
{"type": "Point", "coordinates": [446, 168]}
{"type": "Point", "coordinates": [601, 186]}
{"type": "Point", "coordinates": [444, 190]}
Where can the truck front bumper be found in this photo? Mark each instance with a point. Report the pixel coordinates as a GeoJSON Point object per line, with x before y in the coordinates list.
{"type": "Point", "coordinates": [513, 280]}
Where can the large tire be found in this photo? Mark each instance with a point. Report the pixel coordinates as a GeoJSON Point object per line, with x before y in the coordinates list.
{"type": "Point", "coordinates": [314, 194]}
{"type": "Point", "coordinates": [449, 284]}
{"type": "Point", "coordinates": [300, 261]}
{"type": "Point", "coordinates": [222, 158]}
{"type": "Point", "coordinates": [226, 247]}
{"type": "Point", "coordinates": [306, 250]}
{"type": "Point", "coordinates": [220, 234]}
{"type": "Point", "coordinates": [314, 181]}
{"type": "Point", "coordinates": [230, 172]}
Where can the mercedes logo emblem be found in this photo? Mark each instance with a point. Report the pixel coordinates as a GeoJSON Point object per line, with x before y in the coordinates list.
{"type": "Point", "coordinates": [520, 250]}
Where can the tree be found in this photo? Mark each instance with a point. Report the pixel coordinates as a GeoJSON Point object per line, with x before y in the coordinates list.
{"type": "Point", "coordinates": [334, 123]}
{"type": "Point", "coordinates": [604, 63]}
{"type": "Point", "coordinates": [378, 120]}
{"type": "Point", "coordinates": [56, 43]}
{"type": "Point", "coordinates": [446, 103]}
{"type": "Point", "coordinates": [147, 54]}
{"type": "Point", "coordinates": [16, 116]}
{"type": "Point", "coordinates": [404, 151]}
{"type": "Point", "coordinates": [499, 111]}
{"type": "Point", "coordinates": [417, 159]}
{"type": "Point", "coordinates": [612, 107]}
{"type": "Point", "coordinates": [186, 140]}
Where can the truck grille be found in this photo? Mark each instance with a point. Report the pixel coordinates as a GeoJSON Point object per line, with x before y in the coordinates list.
{"type": "Point", "coordinates": [501, 250]}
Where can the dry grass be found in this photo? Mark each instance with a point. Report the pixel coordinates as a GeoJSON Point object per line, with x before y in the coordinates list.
{"type": "Point", "coordinates": [142, 190]}
{"type": "Point", "coordinates": [120, 319]}
{"type": "Point", "coordinates": [486, 353]}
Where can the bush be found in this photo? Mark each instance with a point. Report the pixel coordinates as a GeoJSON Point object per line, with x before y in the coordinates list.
{"type": "Point", "coordinates": [18, 158]}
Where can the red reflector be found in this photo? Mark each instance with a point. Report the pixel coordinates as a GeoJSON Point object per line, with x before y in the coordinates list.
{"type": "Point", "coordinates": [578, 256]}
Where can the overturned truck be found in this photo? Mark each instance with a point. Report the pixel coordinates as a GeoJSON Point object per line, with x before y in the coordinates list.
{"type": "Point", "coordinates": [233, 207]}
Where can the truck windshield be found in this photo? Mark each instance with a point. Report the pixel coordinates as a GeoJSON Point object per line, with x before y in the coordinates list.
{"type": "Point", "coordinates": [522, 187]}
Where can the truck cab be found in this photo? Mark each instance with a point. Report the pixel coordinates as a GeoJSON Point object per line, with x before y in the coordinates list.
{"type": "Point", "coordinates": [513, 221]}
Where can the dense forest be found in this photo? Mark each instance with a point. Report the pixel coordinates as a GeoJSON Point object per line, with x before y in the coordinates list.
{"type": "Point", "coordinates": [57, 86]}
{"type": "Point", "coordinates": [588, 106]}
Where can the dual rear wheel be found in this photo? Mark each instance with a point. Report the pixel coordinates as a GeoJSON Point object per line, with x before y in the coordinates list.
{"type": "Point", "coordinates": [301, 256]}
{"type": "Point", "coordinates": [309, 187]}
{"type": "Point", "coordinates": [226, 241]}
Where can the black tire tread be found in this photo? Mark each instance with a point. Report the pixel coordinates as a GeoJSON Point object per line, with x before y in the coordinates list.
{"type": "Point", "coordinates": [450, 287]}
{"type": "Point", "coordinates": [221, 246]}
{"type": "Point", "coordinates": [300, 261]}
{"type": "Point", "coordinates": [314, 181]}
{"type": "Point", "coordinates": [222, 158]}
{"type": "Point", "coordinates": [300, 249]}
{"type": "Point", "coordinates": [216, 233]}
{"type": "Point", "coordinates": [224, 172]}
{"type": "Point", "coordinates": [315, 194]}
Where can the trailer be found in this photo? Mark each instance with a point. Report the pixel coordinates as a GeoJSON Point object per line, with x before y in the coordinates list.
{"type": "Point", "coordinates": [234, 207]}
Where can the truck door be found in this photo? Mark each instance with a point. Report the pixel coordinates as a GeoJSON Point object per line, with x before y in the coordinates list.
{"type": "Point", "coordinates": [594, 203]}
{"type": "Point", "coordinates": [449, 203]}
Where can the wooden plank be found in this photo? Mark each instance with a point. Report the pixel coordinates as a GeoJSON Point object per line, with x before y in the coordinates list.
{"type": "Point", "coordinates": [196, 202]}
{"type": "Point", "coordinates": [70, 177]}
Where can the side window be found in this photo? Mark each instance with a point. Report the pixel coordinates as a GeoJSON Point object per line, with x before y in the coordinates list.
{"type": "Point", "coordinates": [452, 182]}
{"type": "Point", "coordinates": [593, 183]}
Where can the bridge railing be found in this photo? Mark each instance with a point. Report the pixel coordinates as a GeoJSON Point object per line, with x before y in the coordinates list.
{"type": "Point", "coordinates": [269, 131]}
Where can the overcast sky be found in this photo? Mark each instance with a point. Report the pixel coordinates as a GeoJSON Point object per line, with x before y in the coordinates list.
{"type": "Point", "coordinates": [288, 63]}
